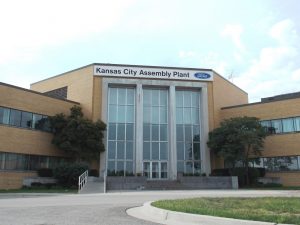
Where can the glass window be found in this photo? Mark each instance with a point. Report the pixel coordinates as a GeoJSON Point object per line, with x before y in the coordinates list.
{"type": "Point", "coordinates": [288, 125]}
{"type": "Point", "coordinates": [34, 162]}
{"type": "Point", "coordinates": [180, 166]}
{"type": "Point", "coordinates": [120, 168]}
{"type": "Point", "coordinates": [163, 151]}
{"type": "Point", "coordinates": [26, 120]}
{"type": "Point", "coordinates": [180, 151]}
{"type": "Point", "coordinates": [37, 121]}
{"type": "Point", "coordinates": [130, 114]}
{"type": "Point", "coordinates": [4, 115]}
{"type": "Point", "coordinates": [297, 123]}
{"type": "Point", "coordinates": [155, 151]}
{"type": "Point", "coordinates": [111, 150]}
{"type": "Point", "coordinates": [113, 96]}
{"type": "Point", "coordinates": [15, 117]}
{"type": "Point", "coordinates": [120, 149]}
{"type": "Point", "coordinates": [129, 131]}
{"type": "Point", "coordinates": [163, 133]}
{"type": "Point", "coordinates": [129, 150]}
{"type": "Point", "coordinates": [129, 168]}
{"type": "Point", "coordinates": [111, 168]}
{"type": "Point", "coordinates": [2, 160]}
{"type": "Point", "coordinates": [112, 130]}
{"type": "Point", "coordinates": [277, 125]}
{"type": "Point", "coordinates": [121, 111]}
{"type": "Point", "coordinates": [121, 131]}
{"type": "Point", "coordinates": [112, 116]}
{"type": "Point", "coordinates": [130, 96]}
{"type": "Point", "coordinates": [188, 134]}
{"type": "Point", "coordinates": [122, 96]}
{"type": "Point", "coordinates": [146, 132]}
{"type": "Point", "coordinates": [146, 151]}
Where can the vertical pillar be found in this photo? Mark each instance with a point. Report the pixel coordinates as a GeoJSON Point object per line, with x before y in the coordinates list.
{"type": "Point", "coordinates": [205, 154]}
{"type": "Point", "coordinates": [139, 129]}
{"type": "Point", "coordinates": [172, 134]}
{"type": "Point", "coordinates": [104, 109]}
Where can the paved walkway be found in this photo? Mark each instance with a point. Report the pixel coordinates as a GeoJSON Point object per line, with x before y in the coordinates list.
{"type": "Point", "coordinates": [102, 209]}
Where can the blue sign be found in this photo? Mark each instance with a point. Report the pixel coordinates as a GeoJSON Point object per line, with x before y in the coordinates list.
{"type": "Point", "coordinates": [202, 75]}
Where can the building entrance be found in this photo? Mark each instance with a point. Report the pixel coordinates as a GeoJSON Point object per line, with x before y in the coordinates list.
{"type": "Point", "coordinates": [155, 170]}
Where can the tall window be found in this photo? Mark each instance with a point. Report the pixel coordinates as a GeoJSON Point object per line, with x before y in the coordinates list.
{"type": "Point", "coordinates": [121, 118]}
{"type": "Point", "coordinates": [4, 115]}
{"type": "Point", "coordinates": [155, 133]}
{"type": "Point", "coordinates": [188, 131]}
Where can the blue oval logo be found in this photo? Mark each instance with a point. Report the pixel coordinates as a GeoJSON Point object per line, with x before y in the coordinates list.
{"type": "Point", "coordinates": [202, 75]}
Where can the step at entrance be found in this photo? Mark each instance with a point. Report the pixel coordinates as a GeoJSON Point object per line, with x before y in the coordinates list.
{"type": "Point", "coordinates": [163, 185]}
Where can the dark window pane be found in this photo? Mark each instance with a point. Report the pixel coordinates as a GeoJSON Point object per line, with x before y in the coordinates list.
{"type": "Point", "coordinates": [163, 150]}
{"type": "Point", "coordinates": [197, 167]}
{"type": "Point", "coordinates": [155, 151]}
{"type": "Point", "coordinates": [111, 150]}
{"type": "Point", "coordinates": [196, 149]}
{"type": "Point", "coordinates": [129, 132]}
{"type": "Point", "coordinates": [179, 133]}
{"type": "Point", "coordinates": [189, 167]}
{"type": "Point", "coordinates": [129, 168]}
{"type": "Point", "coordinates": [120, 168]}
{"type": "Point", "coordinates": [37, 121]}
{"type": "Point", "coordinates": [146, 151]}
{"type": "Point", "coordinates": [146, 132]}
{"type": "Point", "coordinates": [129, 150]}
{"type": "Point", "coordinates": [188, 151]}
{"type": "Point", "coordinates": [180, 166]}
{"type": "Point", "coordinates": [34, 162]}
{"type": "Point", "coordinates": [26, 120]}
{"type": "Point", "coordinates": [112, 131]}
{"type": "Point", "coordinates": [180, 150]}
{"type": "Point", "coordinates": [196, 133]}
{"type": "Point", "coordinates": [188, 133]}
{"type": "Point", "coordinates": [4, 115]}
{"type": "Point", "coordinates": [155, 132]}
{"type": "Point", "coordinates": [163, 132]}
{"type": "Point", "coordinates": [15, 117]}
{"type": "Point", "coordinates": [120, 149]}
{"type": "Point", "coordinates": [110, 167]}
{"type": "Point", "coordinates": [120, 131]}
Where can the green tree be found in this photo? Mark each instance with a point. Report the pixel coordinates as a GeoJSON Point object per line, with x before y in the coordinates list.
{"type": "Point", "coordinates": [79, 137]}
{"type": "Point", "coordinates": [237, 140]}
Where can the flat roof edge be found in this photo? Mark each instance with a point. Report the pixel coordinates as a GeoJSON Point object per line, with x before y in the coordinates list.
{"type": "Point", "coordinates": [36, 92]}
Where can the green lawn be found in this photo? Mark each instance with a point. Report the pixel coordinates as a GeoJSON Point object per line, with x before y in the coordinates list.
{"type": "Point", "coordinates": [41, 190]}
{"type": "Point", "coordinates": [276, 210]}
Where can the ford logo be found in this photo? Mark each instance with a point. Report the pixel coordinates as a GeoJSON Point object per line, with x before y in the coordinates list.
{"type": "Point", "coordinates": [202, 75]}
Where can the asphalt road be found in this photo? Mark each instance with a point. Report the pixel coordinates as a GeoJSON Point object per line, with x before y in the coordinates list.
{"type": "Point", "coordinates": [103, 209]}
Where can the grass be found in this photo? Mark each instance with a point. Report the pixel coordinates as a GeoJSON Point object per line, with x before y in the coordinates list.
{"type": "Point", "coordinates": [41, 190]}
{"type": "Point", "coordinates": [276, 210]}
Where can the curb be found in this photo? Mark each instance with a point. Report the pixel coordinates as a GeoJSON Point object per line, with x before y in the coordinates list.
{"type": "Point", "coordinates": [162, 216]}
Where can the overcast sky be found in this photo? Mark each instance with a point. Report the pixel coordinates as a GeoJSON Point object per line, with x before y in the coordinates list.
{"type": "Point", "coordinates": [253, 43]}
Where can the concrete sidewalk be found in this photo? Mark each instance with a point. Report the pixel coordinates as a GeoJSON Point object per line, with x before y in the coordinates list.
{"type": "Point", "coordinates": [162, 216]}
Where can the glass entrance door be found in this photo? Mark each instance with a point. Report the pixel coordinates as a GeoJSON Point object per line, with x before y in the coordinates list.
{"type": "Point", "coordinates": [156, 170]}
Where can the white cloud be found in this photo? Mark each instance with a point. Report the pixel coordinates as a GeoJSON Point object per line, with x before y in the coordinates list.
{"type": "Point", "coordinates": [28, 26]}
{"type": "Point", "coordinates": [272, 72]}
{"type": "Point", "coordinates": [234, 31]}
{"type": "Point", "coordinates": [284, 31]}
{"type": "Point", "coordinates": [187, 54]}
{"type": "Point", "coordinates": [296, 75]}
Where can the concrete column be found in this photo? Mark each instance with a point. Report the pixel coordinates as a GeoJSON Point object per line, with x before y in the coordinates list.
{"type": "Point", "coordinates": [139, 129]}
{"type": "Point", "coordinates": [205, 154]}
{"type": "Point", "coordinates": [104, 116]}
{"type": "Point", "coordinates": [172, 134]}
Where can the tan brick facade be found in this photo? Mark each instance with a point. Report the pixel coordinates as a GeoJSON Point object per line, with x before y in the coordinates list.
{"type": "Point", "coordinates": [23, 140]}
{"type": "Point", "coordinates": [285, 144]}
{"type": "Point", "coordinates": [86, 89]}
